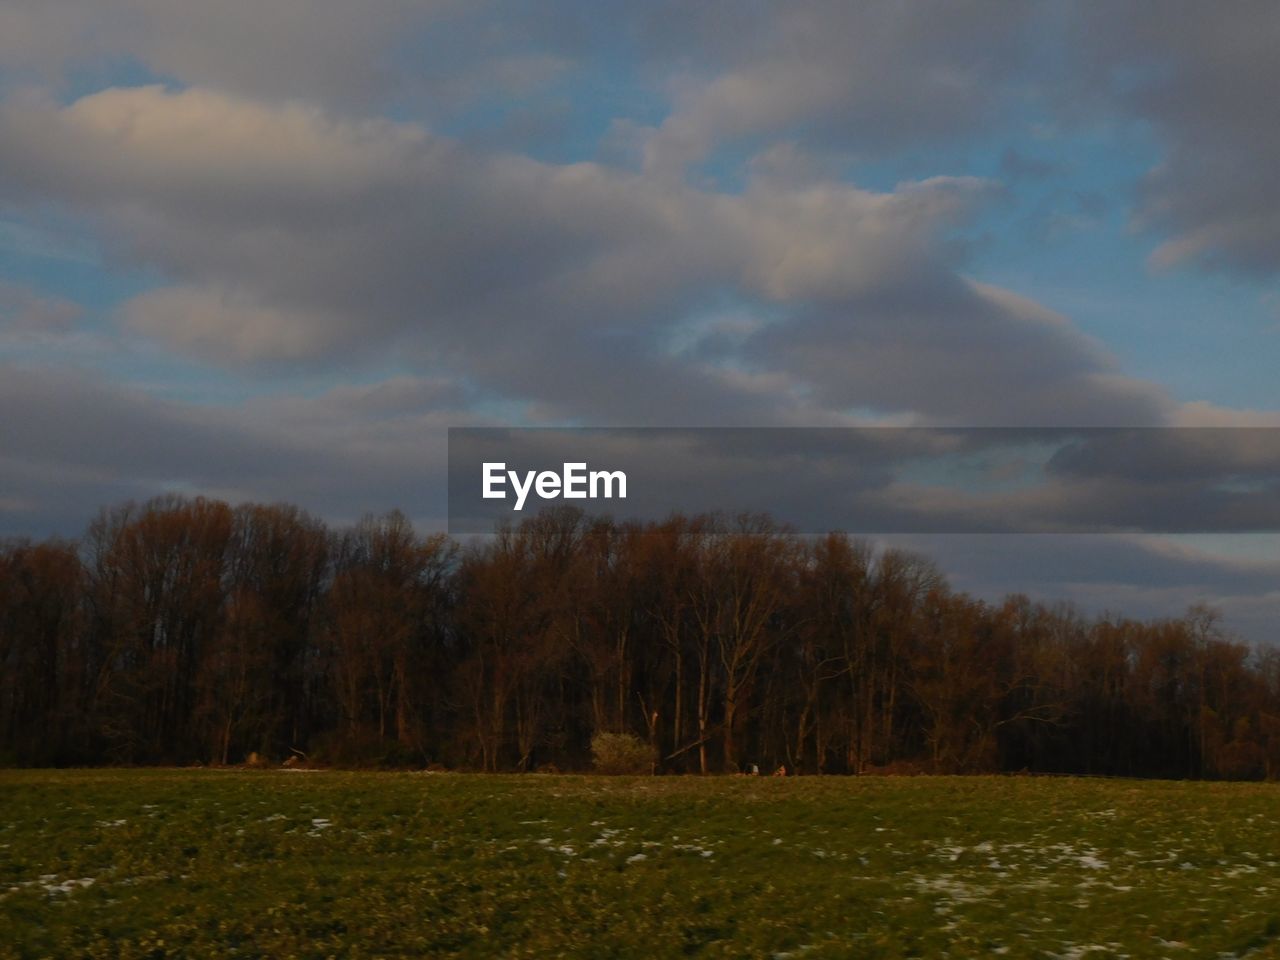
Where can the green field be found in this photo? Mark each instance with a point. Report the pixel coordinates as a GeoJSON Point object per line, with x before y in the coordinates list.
{"type": "Point", "coordinates": [165, 863]}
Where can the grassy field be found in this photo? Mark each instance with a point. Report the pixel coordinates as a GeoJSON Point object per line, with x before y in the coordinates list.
{"type": "Point", "coordinates": [165, 863]}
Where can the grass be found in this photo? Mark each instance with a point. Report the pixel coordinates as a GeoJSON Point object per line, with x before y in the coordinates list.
{"type": "Point", "coordinates": [206, 863]}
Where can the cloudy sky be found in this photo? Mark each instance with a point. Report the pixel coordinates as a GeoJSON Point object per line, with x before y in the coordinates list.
{"type": "Point", "coordinates": [272, 249]}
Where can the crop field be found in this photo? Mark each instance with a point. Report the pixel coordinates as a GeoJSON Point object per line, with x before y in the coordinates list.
{"type": "Point", "coordinates": [195, 863]}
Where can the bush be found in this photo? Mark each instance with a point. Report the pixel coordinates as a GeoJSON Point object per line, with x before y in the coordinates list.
{"type": "Point", "coordinates": [621, 753]}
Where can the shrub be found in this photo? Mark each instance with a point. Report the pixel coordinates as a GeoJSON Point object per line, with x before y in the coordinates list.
{"type": "Point", "coordinates": [621, 753]}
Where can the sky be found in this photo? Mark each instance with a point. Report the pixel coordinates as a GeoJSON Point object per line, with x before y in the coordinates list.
{"type": "Point", "coordinates": [272, 250]}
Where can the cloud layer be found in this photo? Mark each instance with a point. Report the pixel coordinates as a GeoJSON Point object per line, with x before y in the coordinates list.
{"type": "Point", "coordinates": [285, 244]}
{"type": "Point", "coordinates": [290, 235]}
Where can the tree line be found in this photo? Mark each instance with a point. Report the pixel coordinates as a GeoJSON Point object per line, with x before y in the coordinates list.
{"type": "Point", "coordinates": [189, 630]}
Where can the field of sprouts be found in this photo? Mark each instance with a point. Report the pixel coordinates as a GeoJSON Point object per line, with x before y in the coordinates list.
{"type": "Point", "coordinates": [204, 863]}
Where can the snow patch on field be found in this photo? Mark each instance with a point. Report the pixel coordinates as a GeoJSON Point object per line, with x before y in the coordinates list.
{"type": "Point", "coordinates": [51, 884]}
{"type": "Point", "coordinates": [948, 885]}
{"type": "Point", "coordinates": [66, 886]}
{"type": "Point", "coordinates": [1078, 951]}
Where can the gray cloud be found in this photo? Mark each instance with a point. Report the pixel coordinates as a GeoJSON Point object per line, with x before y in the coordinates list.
{"type": "Point", "coordinates": [26, 313]}
{"type": "Point", "coordinates": [914, 479]}
{"type": "Point", "coordinates": [1138, 576]}
{"type": "Point", "coordinates": [1138, 561]}
{"type": "Point", "coordinates": [1234, 454]}
{"type": "Point", "coordinates": [1205, 76]}
{"type": "Point", "coordinates": [957, 351]}
{"type": "Point", "coordinates": [293, 235]}
{"type": "Point", "coordinates": [329, 50]}
{"type": "Point", "coordinates": [852, 77]}
{"type": "Point", "coordinates": [71, 442]}
{"type": "Point", "coordinates": [833, 77]}
{"type": "Point", "coordinates": [859, 78]}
